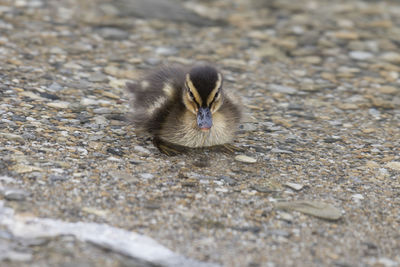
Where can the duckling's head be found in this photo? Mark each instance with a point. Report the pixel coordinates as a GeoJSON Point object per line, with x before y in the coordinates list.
{"type": "Point", "coordinates": [203, 94]}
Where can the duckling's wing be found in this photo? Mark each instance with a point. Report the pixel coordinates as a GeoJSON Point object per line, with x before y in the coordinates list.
{"type": "Point", "coordinates": [151, 96]}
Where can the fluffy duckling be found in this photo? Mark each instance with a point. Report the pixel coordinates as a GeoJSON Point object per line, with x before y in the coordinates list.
{"type": "Point", "coordinates": [184, 108]}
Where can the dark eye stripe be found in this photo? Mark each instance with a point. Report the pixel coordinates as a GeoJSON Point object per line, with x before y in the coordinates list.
{"type": "Point", "coordinates": [215, 97]}
{"type": "Point", "coordinates": [192, 97]}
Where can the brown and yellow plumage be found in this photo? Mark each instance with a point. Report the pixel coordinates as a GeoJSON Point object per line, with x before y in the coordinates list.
{"type": "Point", "coordinates": [186, 108]}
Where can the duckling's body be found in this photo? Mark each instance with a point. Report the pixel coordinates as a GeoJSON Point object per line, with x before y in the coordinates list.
{"type": "Point", "coordinates": [185, 107]}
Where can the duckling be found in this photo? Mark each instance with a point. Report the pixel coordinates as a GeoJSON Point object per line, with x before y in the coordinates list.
{"type": "Point", "coordinates": [185, 108]}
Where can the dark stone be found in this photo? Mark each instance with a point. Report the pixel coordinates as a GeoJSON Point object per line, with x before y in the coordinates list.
{"type": "Point", "coordinates": [18, 118]}
{"type": "Point", "coordinates": [115, 151]}
{"type": "Point", "coordinates": [253, 229]}
{"type": "Point", "coordinates": [228, 180]}
{"type": "Point", "coordinates": [55, 178]}
{"type": "Point", "coordinates": [49, 96]}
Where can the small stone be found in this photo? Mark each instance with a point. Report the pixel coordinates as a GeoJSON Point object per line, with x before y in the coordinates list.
{"type": "Point", "coordinates": [97, 212]}
{"type": "Point", "coordinates": [57, 50]}
{"type": "Point", "coordinates": [115, 151]}
{"type": "Point", "coordinates": [346, 35]}
{"type": "Point", "coordinates": [277, 150]}
{"type": "Point", "coordinates": [221, 189]}
{"type": "Point", "coordinates": [142, 150]}
{"type": "Point", "coordinates": [228, 180]}
{"type": "Point", "coordinates": [15, 194]}
{"type": "Point", "coordinates": [315, 208]}
{"type": "Point", "coordinates": [282, 89]}
{"type": "Point", "coordinates": [59, 104]}
{"type": "Point", "coordinates": [101, 120]}
{"type": "Point", "coordinates": [384, 262]}
{"type": "Point", "coordinates": [98, 78]}
{"type": "Point", "coordinates": [7, 179]}
{"type": "Point", "coordinates": [113, 33]}
{"type": "Point", "coordinates": [285, 216]}
{"type": "Point", "coordinates": [391, 90]}
{"type": "Point", "coordinates": [294, 186]}
{"type": "Point", "coordinates": [246, 159]}
{"type": "Point", "coordinates": [102, 111]}
{"type": "Point", "coordinates": [110, 95]}
{"type": "Point", "coordinates": [32, 95]}
{"type": "Point", "coordinates": [9, 254]}
{"type": "Point", "coordinates": [348, 106]}
{"type": "Point", "coordinates": [49, 96]}
{"type": "Point", "coordinates": [55, 178]}
{"type": "Point", "coordinates": [310, 59]}
{"type": "Point", "coordinates": [248, 127]}
{"type": "Point", "coordinates": [394, 165]}
{"type": "Point", "coordinates": [357, 197]}
{"type": "Point", "coordinates": [166, 51]}
{"type": "Point", "coordinates": [13, 137]}
{"type": "Point", "coordinates": [368, 130]}
{"type": "Point", "coordinates": [55, 87]}
{"type": "Point", "coordinates": [89, 102]}
{"type": "Point", "coordinates": [381, 103]}
{"type": "Point", "coordinates": [374, 112]}
{"type": "Point", "coordinates": [114, 159]}
{"type": "Point", "coordinates": [391, 57]}
{"type": "Point", "coordinates": [360, 55]}
{"type": "Point", "coordinates": [21, 168]}
{"type": "Point", "coordinates": [372, 164]}
{"type": "Point", "coordinates": [146, 175]}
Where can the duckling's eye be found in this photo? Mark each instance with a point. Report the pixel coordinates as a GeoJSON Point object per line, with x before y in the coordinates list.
{"type": "Point", "coordinates": [216, 95]}
{"type": "Point", "coordinates": [191, 95]}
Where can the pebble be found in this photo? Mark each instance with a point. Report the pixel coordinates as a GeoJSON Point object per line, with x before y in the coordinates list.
{"type": "Point", "coordinates": [56, 178]}
{"type": "Point", "coordinates": [392, 57]}
{"type": "Point", "coordinates": [394, 165]}
{"type": "Point", "coordinates": [98, 78]}
{"type": "Point", "coordinates": [22, 168]}
{"type": "Point", "coordinates": [357, 197]}
{"type": "Point", "coordinates": [7, 179]}
{"type": "Point", "coordinates": [285, 216]}
{"type": "Point", "coordinates": [360, 55]}
{"type": "Point", "coordinates": [374, 112]}
{"type": "Point", "coordinates": [246, 159]}
{"type": "Point", "coordinates": [166, 51]}
{"type": "Point", "coordinates": [15, 194]}
{"type": "Point", "coordinates": [59, 104]}
{"type": "Point", "coordinates": [146, 175]}
{"type": "Point", "coordinates": [101, 120]}
{"type": "Point", "coordinates": [294, 186]}
{"type": "Point", "coordinates": [13, 137]}
{"type": "Point", "coordinates": [113, 33]}
{"type": "Point", "coordinates": [142, 150]}
{"type": "Point", "coordinates": [315, 208]}
{"type": "Point", "coordinates": [102, 111]}
{"type": "Point", "coordinates": [282, 89]}
{"type": "Point", "coordinates": [388, 90]}
{"type": "Point", "coordinates": [277, 150]}
{"type": "Point", "coordinates": [89, 102]}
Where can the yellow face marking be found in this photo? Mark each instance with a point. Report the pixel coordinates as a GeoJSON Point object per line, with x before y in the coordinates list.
{"type": "Point", "coordinates": [192, 89]}
{"type": "Point", "coordinates": [211, 96]}
{"type": "Point", "coordinates": [156, 105]}
{"type": "Point", "coordinates": [190, 105]}
{"type": "Point", "coordinates": [168, 89]}
{"type": "Point", "coordinates": [144, 84]}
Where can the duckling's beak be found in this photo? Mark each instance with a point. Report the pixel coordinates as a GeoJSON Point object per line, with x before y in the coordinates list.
{"type": "Point", "coordinates": [204, 119]}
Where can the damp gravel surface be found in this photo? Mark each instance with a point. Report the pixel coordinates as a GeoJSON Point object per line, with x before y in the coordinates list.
{"type": "Point", "coordinates": [317, 181]}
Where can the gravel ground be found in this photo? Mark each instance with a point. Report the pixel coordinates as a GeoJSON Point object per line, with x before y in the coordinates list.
{"type": "Point", "coordinates": [319, 82]}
